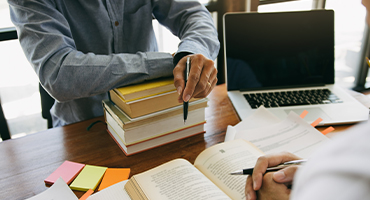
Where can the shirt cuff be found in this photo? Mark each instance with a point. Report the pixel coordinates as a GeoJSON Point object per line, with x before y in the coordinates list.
{"type": "Point", "coordinates": [178, 57]}
{"type": "Point", "coordinates": [159, 64]}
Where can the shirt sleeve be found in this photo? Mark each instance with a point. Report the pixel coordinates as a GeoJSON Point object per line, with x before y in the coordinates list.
{"type": "Point", "coordinates": [64, 71]}
{"type": "Point", "coordinates": [192, 23]}
{"type": "Point", "coordinates": [338, 170]}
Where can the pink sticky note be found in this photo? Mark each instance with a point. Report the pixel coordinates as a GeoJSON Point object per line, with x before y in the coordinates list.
{"type": "Point", "coordinates": [68, 171]}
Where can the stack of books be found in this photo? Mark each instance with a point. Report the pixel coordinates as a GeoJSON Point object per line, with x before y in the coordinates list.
{"type": "Point", "coordinates": [147, 115]}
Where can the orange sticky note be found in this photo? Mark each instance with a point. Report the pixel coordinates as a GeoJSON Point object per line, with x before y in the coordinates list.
{"type": "Point", "coordinates": [316, 122]}
{"type": "Point", "coordinates": [327, 130]}
{"type": "Point", "coordinates": [113, 176]}
{"type": "Point", "coordinates": [68, 171]}
{"type": "Point", "coordinates": [87, 194]}
{"type": "Point", "coordinates": [303, 114]}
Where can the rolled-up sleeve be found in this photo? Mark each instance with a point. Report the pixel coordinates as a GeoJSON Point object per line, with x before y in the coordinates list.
{"type": "Point", "coordinates": [82, 49]}
{"type": "Point", "coordinates": [192, 23]}
{"type": "Point", "coordinates": [68, 73]}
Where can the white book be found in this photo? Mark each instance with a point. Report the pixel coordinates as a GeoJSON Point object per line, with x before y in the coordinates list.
{"type": "Point", "coordinates": [155, 128]}
{"type": "Point", "coordinates": [155, 142]}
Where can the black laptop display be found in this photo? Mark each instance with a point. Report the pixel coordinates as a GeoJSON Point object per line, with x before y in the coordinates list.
{"type": "Point", "coordinates": [276, 50]}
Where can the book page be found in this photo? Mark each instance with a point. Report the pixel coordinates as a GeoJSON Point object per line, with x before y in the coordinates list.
{"type": "Point", "coordinates": [177, 179]}
{"type": "Point", "coordinates": [292, 134]}
{"type": "Point", "coordinates": [114, 192]}
{"type": "Point", "coordinates": [218, 161]}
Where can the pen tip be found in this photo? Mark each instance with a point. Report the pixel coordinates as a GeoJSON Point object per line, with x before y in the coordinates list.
{"type": "Point", "coordinates": [184, 121]}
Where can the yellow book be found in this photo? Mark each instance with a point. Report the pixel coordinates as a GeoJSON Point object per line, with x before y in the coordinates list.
{"type": "Point", "coordinates": [146, 89]}
{"type": "Point", "coordinates": [146, 105]}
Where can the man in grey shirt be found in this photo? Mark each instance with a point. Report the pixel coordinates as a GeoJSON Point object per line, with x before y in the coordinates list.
{"type": "Point", "coordinates": [81, 49]}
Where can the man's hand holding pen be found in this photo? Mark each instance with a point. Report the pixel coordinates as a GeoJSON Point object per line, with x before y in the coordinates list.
{"type": "Point", "coordinates": [202, 77]}
{"type": "Point", "coordinates": [273, 185]}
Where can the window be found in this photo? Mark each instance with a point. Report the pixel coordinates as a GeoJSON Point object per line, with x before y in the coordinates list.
{"type": "Point", "coordinates": [349, 33]}
{"type": "Point", "coordinates": [285, 6]}
{"type": "Point", "coordinates": [349, 30]}
{"type": "Point", "coordinates": [19, 93]}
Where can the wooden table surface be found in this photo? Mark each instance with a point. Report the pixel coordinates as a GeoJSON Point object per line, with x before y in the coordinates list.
{"type": "Point", "coordinates": [25, 162]}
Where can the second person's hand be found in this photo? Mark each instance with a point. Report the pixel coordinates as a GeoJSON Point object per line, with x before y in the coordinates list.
{"type": "Point", "coordinates": [202, 77]}
{"type": "Point", "coordinates": [284, 176]}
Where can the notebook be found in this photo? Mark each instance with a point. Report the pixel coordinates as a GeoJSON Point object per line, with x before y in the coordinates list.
{"type": "Point", "coordinates": [285, 61]}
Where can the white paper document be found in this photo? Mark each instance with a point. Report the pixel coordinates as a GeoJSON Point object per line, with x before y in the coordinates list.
{"type": "Point", "coordinates": [292, 134]}
{"type": "Point", "coordinates": [58, 191]}
{"type": "Point", "coordinates": [114, 192]}
{"type": "Point", "coordinates": [261, 118]}
{"type": "Point", "coordinates": [61, 191]}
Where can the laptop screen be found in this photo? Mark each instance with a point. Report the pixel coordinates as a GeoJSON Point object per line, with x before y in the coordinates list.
{"type": "Point", "coordinates": [279, 50]}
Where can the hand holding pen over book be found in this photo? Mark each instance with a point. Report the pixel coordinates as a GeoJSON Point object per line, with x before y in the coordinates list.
{"type": "Point", "coordinates": [186, 103]}
{"type": "Point", "coordinates": [281, 179]}
{"type": "Point", "coordinates": [194, 77]}
{"type": "Point", "coordinates": [249, 171]}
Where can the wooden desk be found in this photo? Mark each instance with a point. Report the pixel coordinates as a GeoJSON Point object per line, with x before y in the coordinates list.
{"type": "Point", "coordinates": [26, 162]}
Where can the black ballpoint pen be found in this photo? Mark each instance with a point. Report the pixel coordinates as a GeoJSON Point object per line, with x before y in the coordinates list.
{"type": "Point", "coordinates": [249, 171]}
{"type": "Point", "coordinates": [186, 104]}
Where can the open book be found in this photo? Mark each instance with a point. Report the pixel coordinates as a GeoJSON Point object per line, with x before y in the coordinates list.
{"type": "Point", "coordinates": [209, 177]}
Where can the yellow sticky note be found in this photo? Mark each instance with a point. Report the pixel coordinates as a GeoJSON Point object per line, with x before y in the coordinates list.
{"type": "Point", "coordinates": [89, 178]}
{"type": "Point", "coordinates": [113, 176]}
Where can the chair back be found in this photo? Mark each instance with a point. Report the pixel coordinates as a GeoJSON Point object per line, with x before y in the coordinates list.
{"type": "Point", "coordinates": [4, 130]}
{"type": "Point", "coordinates": [46, 103]}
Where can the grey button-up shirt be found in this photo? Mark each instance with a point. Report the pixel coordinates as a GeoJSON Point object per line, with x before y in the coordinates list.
{"type": "Point", "coordinates": [80, 49]}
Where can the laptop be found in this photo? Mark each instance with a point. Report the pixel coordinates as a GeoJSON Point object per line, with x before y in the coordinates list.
{"type": "Point", "coordinates": [285, 62]}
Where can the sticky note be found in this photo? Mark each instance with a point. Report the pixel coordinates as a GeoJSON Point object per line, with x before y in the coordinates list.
{"type": "Point", "coordinates": [303, 114]}
{"type": "Point", "coordinates": [86, 195]}
{"type": "Point", "coordinates": [113, 176]}
{"type": "Point", "coordinates": [68, 171]}
{"type": "Point", "coordinates": [316, 122]}
{"type": "Point", "coordinates": [89, 178]}
{"type": "Point", "coordinates": [327, 130]}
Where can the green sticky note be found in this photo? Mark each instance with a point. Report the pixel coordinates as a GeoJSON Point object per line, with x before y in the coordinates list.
{"type": "Point", "coordinates": [89, 178]}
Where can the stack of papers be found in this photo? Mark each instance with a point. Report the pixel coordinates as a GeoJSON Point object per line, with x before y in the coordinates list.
{"type": "Point", "coordinates": [273, 135]}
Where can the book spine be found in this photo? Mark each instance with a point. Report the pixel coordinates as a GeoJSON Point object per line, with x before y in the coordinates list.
{"type": "Point", "coordinates": [161, 135]}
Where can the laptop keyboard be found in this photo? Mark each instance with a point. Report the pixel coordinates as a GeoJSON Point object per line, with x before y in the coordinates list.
{"type": "Point", "coordinates": [292, 98]}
